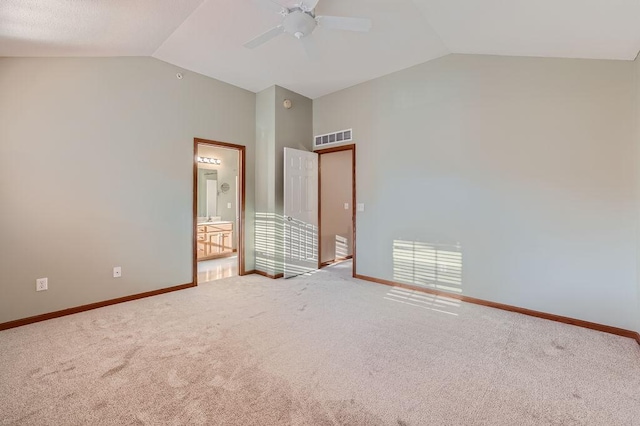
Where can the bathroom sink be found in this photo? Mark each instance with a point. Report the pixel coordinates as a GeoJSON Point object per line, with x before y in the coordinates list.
{"type": "Point", "coordinates": [208, 220]}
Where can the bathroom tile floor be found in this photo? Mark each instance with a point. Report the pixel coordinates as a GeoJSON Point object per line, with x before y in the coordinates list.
{"type": "Point", "coordinates": [211, 270]}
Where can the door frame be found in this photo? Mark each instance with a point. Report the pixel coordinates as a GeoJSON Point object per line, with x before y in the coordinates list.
{"type": "Point", "coordinates": [320, 152]}
{"type": "Point", "coordinates": [242, 159]}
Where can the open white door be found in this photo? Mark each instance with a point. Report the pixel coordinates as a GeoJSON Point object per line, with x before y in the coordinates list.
{"type": "Point", "coordinates": [300, 212]}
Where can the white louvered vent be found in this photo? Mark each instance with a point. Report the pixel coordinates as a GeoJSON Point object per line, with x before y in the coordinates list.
{"type": "Point", "coordinates": [333, 138]}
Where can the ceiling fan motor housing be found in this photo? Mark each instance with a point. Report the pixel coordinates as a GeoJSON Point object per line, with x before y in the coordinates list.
{"type": "Point", "coordinates": [300, 21]}
{"type": "Point", "coordinates": [299, 24]}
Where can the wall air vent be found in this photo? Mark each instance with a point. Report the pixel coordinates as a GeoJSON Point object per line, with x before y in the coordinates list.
{"type": "Point", "coordinates": [333, 138]}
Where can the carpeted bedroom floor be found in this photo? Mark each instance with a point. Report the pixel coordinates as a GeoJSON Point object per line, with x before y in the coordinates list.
{"type": "Point", "coordinates": [323, 349]}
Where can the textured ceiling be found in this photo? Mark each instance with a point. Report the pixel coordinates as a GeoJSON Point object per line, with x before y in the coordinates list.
{"type": "Point", "coordinates": [210, 42]}
{"type": "Point", "coordinates": [593, 29]}
{"type": "Point", "coordinates": [89, 27]}
{"type": "Point", "coordinates": [207, 36]}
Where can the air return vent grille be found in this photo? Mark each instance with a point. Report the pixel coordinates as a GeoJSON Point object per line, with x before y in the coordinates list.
{"type": "Point", "coordinates": [332, 138]}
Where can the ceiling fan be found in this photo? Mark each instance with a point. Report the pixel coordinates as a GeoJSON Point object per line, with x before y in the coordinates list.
{"type": "Point", "coordinates": [300, 20]}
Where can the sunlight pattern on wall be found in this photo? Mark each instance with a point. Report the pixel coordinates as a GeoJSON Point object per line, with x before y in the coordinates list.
{"type": "Point", "coordinates": [437, 266]}
{"type": "Point", "coordinates": [342, 247]}
{"type": "Point", "coordinates": [285, 246]}
{"type": "Point", "coordinates": [269, 238]}
{"type": "Point", "coordinates": [440, 304]}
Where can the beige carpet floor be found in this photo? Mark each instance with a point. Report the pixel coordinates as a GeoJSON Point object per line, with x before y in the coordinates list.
{"type": "Point", "coordinates": [322, 349]}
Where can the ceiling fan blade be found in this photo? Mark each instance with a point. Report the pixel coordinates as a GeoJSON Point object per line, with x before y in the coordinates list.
{"type": "Point", "coordinates": [344, 23]}
{"type": "Point", "coordinates": [310, 47]}
{"type": "Point", "coordinates": [271, 5]}
{"type": "Point", "coordinates": [265, 37]}
{"type": "Point", "coordinates": [309, 4]}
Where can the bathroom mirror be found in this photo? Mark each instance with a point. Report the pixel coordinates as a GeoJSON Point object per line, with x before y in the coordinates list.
{"type": "Point", "coordinates": [207, 193]}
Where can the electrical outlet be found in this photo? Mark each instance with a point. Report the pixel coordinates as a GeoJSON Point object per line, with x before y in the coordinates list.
{"type": "Point", "coordinates": [360, 207]}
{"type": "Point", "coordinates": [346, 206]}
{"type": "Point", "coordinates": [42, 284]}
{"type": "Point", "coordinates": [117, 272]}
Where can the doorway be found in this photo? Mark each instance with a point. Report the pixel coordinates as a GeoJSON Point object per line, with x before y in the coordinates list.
{"type": "Point", "coordinates": [219, 187]}
{"type": "Point", "coordinates": [337, 205]}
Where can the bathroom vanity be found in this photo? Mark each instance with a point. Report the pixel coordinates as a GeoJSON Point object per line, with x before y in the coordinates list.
{"type": "Point", "coordinates": [215, 239]}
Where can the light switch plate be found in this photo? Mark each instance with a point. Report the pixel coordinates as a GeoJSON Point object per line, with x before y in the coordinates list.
{"type": "Point", "coordinates": [228, 205]}
{"type": "Point", "coordinates": [360, 207]}
{"type": "Point", "coordinates": [346, 206]}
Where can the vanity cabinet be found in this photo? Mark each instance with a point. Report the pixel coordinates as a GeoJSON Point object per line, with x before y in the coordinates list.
{"type": "Point", "coordinates": [214, 240]}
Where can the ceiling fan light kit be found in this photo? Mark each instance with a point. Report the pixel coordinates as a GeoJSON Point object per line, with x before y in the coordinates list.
{"type": "Point", "coordinates": [300, 21]}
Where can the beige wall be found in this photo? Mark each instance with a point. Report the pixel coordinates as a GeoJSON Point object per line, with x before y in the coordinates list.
{"type": "Point", "coordinates": [96, 160]}
{"type": "Point", "coordinates": [276, 128]}
{"type": "Point", "coordinates": [265, 149]}
{"type": "Point", "coordinates": [265, 250]}
{"type": "Point", "coordinates": [522, 170]}
{"type": "Point", "coordinates": [336, 190]}
{"type": "Point", "coordinates": [294, 129]}
{"type": "Point", "coordinates": [526, 169]}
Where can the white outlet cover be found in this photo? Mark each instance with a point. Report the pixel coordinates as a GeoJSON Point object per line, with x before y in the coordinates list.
{"type": "Point", "coordinates": [228, 205]}
{"type": "Point", "coordinates": [346, 206]}
{"type": "Point", "coordinates": [117, 272]}
{"type": "Point", "coordinates": [42, 284]}
{"type": "Point", "coordinates": [360, 207]}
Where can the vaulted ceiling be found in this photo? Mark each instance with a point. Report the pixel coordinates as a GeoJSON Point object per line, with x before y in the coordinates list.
{"type": "Point", "coordinates": [207, 36]}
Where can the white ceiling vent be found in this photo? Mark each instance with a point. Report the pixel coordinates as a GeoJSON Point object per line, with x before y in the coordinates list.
{"type": "Point", "coordinates": [332, 138]}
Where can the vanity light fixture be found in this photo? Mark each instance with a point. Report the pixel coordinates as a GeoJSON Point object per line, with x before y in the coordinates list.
{"type": "Point", "coordinates": [207, 160]}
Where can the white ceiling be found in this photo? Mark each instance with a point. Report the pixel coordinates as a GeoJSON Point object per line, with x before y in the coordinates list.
{"type": "Point", "coordinates": [206, 36]}
{"type": "Point", "coordinates": [89, 27]}
{"type": "Point", "coordinates": [592, 29]}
